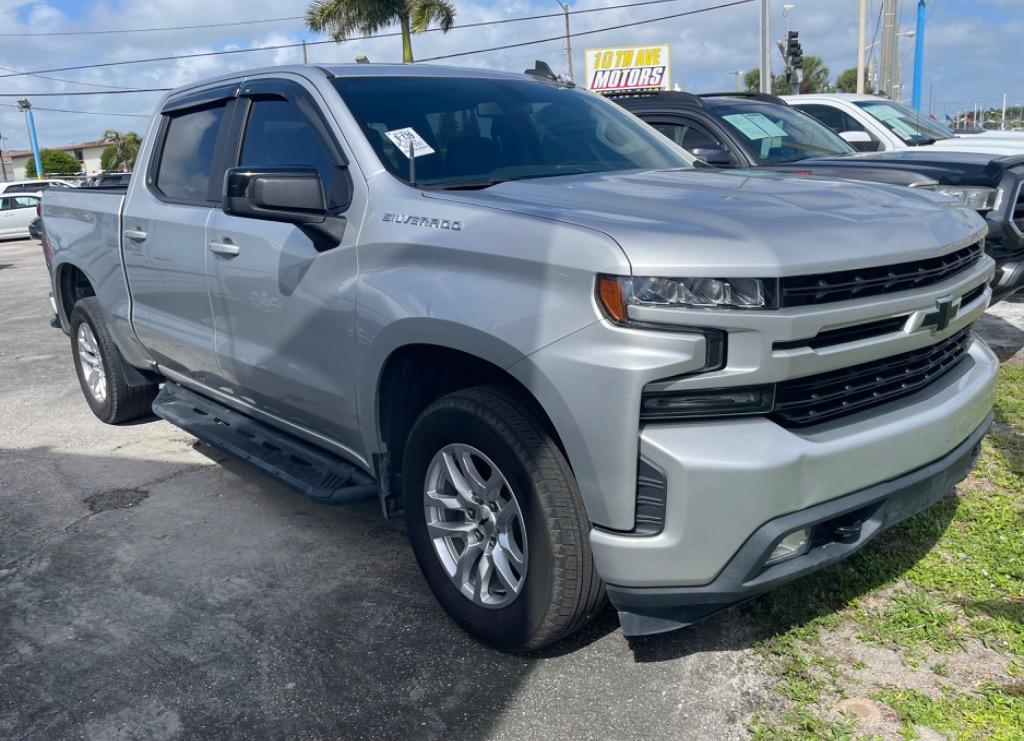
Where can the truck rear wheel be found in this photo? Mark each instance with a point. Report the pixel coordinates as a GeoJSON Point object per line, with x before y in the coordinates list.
{"type": "Point", "coordinates": [101, 369]}
{"type": "Point", "coordinates": [496, 521]}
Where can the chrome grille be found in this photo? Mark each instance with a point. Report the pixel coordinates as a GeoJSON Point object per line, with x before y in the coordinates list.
{"type": "Point", "coordinates": [804, 290]}
{"type": "Point", "coordinates": [806, 401]}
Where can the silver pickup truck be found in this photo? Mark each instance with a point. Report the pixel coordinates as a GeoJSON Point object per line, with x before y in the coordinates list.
{"type": "Point", "coordinates": [579, 365]}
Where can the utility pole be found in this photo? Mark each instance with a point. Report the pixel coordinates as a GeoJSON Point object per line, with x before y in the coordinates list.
{"type": "Point", "coordinates": [889, 52]}
{"type": "Point", "coordinates": [766, 44]}
{"type": "Point", "coordinates": [861, 38]}
{"type": "Point", "coordinates": [915, 100]}
{"type": "Point", "coordinates": [30, 124]}
{"type": "Point", "coordinates": [3, 165]}
{"type": "Point", "coordinates": [1002, 126]}
{"type": "Point", "coordinates": [568, 36]}
{"type": "Point", "coordinates": [305, 57]}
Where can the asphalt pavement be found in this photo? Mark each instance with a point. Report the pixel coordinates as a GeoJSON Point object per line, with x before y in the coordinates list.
{"type": "Point", "coordinates": [151, 587]}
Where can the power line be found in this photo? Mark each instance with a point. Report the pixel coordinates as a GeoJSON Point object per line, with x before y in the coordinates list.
{"type": "Point", "coordinates": [587, 33]}
{"type": "Point", "coordinates": [120, 91]}
{"type": "Point", "coordinates": [160, 28]}
{"type": "Point", "coordinates": [85, 113]}
{"type": "Point", "coordinates": [391, 34]}
{"type": "Point", "coordinates": [299, 18]}
{"type": "Point", "coordinates": [73, 82]}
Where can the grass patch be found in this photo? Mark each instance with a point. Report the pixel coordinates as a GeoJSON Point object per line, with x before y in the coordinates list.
{"type": "Point", "coordinates": [992, 711]}
{"type": "Point", "coordinates": [945, 581]}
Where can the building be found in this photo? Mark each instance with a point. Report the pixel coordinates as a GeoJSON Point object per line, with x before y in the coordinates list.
{"type": "Point", "coordinates": [88, 153]}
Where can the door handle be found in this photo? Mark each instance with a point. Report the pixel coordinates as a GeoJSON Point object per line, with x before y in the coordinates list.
{"type": "Point", "coordinates": [135, 234]}
{"type": "Point", "coordinates": [226, 249]}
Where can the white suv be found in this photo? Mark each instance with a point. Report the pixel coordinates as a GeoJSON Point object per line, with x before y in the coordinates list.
{"type": "Point", "coordinates": [34, 186]}
{"type": "Point", "coordinates": [874, 124]}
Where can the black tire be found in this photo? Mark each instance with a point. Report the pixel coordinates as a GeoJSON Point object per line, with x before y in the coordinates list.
{"type": "Point", "coordinates": [561, 589]}
{"type": "Point", "coordinates": [122, 402]}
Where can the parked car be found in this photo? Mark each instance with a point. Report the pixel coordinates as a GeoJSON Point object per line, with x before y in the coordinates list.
{"type": "Point", "coordinates": [108, 180]}
{"type": "Point", "coordinates": [16, 213]}
{"type": "Point", "coordinates": [737, 130]}
{"type": "Point", "coordinates": [875, 124]}
{"type": "Point", "coordinates": [507, 308]}
{"type": "Point", "coordinates": [33, 186]}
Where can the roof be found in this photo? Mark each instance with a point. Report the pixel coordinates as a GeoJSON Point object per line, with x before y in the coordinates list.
{"type": "Point", "coordinates": [415, 70]}
{"type": "Point", "coordinates": [852, 97]}
{"type": "Point", "coordinates": [65, 147]}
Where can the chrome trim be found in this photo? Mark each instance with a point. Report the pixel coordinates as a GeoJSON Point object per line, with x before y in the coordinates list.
{"type": "Point", "coordinates": [290, 427]}
{"type": "Point", "coordinates": [1012, 205]}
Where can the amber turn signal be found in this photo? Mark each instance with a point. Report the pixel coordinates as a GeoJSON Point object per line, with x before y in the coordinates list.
{"type": "Point", "coordinates": [612, 298]}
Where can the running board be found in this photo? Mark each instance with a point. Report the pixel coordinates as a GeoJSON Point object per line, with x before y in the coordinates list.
{"type": "Point", "coordinates": [320, 475]}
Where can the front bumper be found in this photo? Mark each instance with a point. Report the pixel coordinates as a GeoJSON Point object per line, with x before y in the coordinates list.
{"type": "Point", "coordinates": [861, 516]}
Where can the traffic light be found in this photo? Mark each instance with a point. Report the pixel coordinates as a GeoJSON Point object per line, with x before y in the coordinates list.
{"type": "Point", "coordinates": [794, 53]}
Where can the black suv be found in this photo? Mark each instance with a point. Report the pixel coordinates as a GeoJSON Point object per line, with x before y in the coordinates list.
{"type": "Point", "coordinates": [741, 130]}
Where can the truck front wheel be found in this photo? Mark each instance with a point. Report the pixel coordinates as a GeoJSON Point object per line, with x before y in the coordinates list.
{"type": "Point", "coordinates": [496, 520]}
{"type": "Point", "coordinates": [101, 369]}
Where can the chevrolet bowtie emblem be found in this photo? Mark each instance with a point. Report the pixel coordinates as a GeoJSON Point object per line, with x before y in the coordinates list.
{"type": "Point", "coordinates": [946, 309]}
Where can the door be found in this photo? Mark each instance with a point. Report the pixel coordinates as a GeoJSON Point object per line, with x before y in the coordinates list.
{"type": "Point", "coordinates": [695, 138]}
{"type": "Point", "coordinates": [164, 237]}
{"type": "Point", "coordinates": [16, 213]}
{"type": "Point", "coordinates": [284, 307]}
{"type": "Point", "coordinates": [841, 122]}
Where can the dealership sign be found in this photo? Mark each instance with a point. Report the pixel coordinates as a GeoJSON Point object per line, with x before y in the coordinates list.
{"type": "Point", "coordinates": [627, 68]}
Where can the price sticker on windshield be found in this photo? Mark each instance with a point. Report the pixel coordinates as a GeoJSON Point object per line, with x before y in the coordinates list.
{"type": "Point", "coordinates": [406, 139]}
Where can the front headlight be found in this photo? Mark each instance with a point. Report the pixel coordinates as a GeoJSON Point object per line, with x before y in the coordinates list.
{"type": "Point", "coordinates": [977, 197]}
{"type": "Point", "coordinates": [618, 293]}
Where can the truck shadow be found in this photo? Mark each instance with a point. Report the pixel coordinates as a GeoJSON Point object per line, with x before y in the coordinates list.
{"type": "Point", "coordinates": [880, 562]}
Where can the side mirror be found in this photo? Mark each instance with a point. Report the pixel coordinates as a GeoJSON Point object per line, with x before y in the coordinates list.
{"type": "Point", "coordinates": [860, 140]}
{"type": "Point", "coordinates": [291, 194]}
{"type": "Point", "coordinates": [712, 155]}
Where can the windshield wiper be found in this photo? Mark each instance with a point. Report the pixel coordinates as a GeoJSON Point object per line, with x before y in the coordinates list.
{"type": "Point", "coordinates": [467, 185]}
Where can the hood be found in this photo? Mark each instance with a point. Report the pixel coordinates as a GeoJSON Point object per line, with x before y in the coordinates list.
{"type": "Point", "coordinates": [1013, 135]}
{"type": "Point", "coordinates": [709, 223]}
{"type": "Point", "coordinates": [978, 143]}
{"type": "Point", "coordinates": [906, 167]}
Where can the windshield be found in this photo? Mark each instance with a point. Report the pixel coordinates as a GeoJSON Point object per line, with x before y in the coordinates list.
{"type": "Point", "coordinates": [476, 132]}
{"type": "Point", "coordinates": [909, 125]}
{"type": "Point", "coordinates": [774, 134]}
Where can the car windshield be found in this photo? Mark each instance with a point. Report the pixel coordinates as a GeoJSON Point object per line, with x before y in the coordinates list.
{"type": "Point", "coordinates": [477, 132]}
{"type": "Point", "coordinates": [775, 134]}
{"type": "Point", "coordinates": [911, 126]}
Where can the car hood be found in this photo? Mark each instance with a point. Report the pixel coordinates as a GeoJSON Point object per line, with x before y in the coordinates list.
{"type": "Point", "coordinates": [977, 143]}
{"type": "Point", "coordinates": [906, 167]}
{"type": "Point", "coordinates": [741, 223]}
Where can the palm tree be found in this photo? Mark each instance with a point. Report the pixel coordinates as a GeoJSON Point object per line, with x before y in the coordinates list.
{"type": "Point", "coordinates": [345, 18]}
{"type": "Point", "coordinates": [121, 151]}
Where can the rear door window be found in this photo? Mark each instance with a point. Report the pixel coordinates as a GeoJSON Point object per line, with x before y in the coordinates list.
{"type": "Point", "coordinates": [187, 159]}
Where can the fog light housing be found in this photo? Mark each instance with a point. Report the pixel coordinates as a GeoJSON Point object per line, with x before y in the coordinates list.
{"type": "Point", "coordinates": [741, 400]}
{"type": "Point", "coordinates": [793, 545]}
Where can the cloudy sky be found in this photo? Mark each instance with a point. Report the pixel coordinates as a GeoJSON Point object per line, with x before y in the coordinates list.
{"type": "Point", "coordinates": [970, 51]}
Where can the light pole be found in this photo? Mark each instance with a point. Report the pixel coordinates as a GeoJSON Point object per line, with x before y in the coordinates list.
{"type": "Point", "coordinates": [30, 123]}
{"type": "Point", "coordinates": [568, 36]}
{"type": "Point", "coordinates": [915, 99]}
{"type": "Point", "coordinates": [766, 45]}
{"type": "Point", "coordinates": [861, 31]}
{"type": "Point", "coordinates": [737, 72]}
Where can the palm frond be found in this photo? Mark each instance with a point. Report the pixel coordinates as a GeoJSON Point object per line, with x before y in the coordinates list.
{"type": "Point", "coordinates": [343, 19]}
{"type": "Point", "coordinates": [424, 12]}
